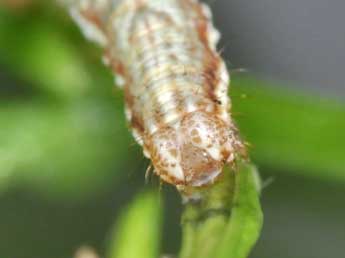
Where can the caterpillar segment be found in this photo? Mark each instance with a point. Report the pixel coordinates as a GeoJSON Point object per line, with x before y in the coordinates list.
{"type": "Point", "coordinates": [163, 53]}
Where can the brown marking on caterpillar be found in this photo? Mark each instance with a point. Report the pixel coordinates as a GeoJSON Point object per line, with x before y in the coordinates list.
{"type": "Point", "coordinates": [92, 17]}
{"type": "Point", "coordinates": [175, 86]}
{"type": "Point", "coordinates": [211, 78]}
{"type": "Point", "coordinates": [201, 24]}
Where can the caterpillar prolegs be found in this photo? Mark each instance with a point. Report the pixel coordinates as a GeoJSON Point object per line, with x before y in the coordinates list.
{"type": "Point", "coordinates": [163, 53]}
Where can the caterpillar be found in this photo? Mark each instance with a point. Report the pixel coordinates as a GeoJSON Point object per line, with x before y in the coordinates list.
{"type": "Point", "coordinates": [163, 54]}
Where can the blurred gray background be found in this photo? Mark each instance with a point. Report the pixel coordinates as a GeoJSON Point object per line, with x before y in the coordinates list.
{"type": "Point", "coordinates": [299, 41]}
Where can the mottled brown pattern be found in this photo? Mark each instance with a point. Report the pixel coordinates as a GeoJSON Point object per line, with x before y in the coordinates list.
{"type": "Point", "coordinates": [175, 84]}
{"type": "Point", "coordinates": [92, 16]}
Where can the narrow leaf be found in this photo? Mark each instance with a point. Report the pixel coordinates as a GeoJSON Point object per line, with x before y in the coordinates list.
{"type": "Point", "coordinates": [137, 232]}
{"type": "Point", "coordinates": [286, 128]}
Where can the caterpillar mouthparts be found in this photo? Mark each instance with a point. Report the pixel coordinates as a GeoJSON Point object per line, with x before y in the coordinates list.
{"type": "Point", "coordinates": [163, 53]}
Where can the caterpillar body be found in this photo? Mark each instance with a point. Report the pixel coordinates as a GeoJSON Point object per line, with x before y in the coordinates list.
{"type": "Point", "coordinates": [163, 53]}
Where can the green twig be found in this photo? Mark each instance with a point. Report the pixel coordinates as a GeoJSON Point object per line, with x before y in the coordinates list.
{"type": "Point", "coordinates": [243, 228]}
{"type": "Point", "coordinates": [227, 221]}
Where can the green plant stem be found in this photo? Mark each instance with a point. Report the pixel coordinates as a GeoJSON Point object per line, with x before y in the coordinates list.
{"type": "Point", "coordinates": [228, 211]}
{"type": "Point", "coordinates": [245, 223]}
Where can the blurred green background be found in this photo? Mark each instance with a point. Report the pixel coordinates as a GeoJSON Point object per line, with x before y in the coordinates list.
{"type": "Point", "coordinates": [69, 166]}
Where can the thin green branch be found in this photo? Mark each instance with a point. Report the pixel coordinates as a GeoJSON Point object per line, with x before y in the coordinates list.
{"type": "Point", "coordinates": [227, 221]}
{"type": "Point", "coordinates": [244, 227]}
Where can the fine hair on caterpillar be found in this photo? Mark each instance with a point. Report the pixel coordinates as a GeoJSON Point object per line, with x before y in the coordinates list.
{"type": "Point", "coordinates": [163, 54]}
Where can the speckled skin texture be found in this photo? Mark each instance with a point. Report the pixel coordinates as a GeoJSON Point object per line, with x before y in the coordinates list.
{"type": "Point", "coordinates": [164, 55]}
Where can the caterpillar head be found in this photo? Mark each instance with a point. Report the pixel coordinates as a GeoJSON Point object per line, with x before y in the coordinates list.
{"type": "Point", "coordinates": [193, 152]}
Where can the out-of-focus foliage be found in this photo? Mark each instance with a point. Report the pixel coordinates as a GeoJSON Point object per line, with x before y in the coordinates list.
{"type": "Point", "coordinates": [137, 232]}
{"type": "Point", "coordinates": [290, 129]}
{"type": "Point", "coordinates": [42, 53]}
{"type": "Point", "coordinates": [63, 149]}
{"type": "Point", "coordinates": [66, 128]}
